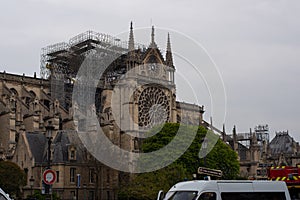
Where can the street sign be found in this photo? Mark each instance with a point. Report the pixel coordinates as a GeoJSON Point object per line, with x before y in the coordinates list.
{"type": "Point", "coordinates": [49, 176]}
{"type": "Point", "coordinates": [78, 180]}
{"type": "Point", "coordinates": [210, 172]}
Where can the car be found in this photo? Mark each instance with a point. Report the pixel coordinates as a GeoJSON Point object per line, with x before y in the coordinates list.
{"type": "Point", "coordinates": [4, 196]}
{"type": "Point", "coordinates": [227, 190]}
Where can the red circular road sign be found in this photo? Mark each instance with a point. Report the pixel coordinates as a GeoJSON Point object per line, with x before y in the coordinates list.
{"type": "Point", "coordinates": [49, 176]}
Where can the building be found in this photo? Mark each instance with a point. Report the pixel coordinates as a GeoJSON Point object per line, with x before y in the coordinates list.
{"type": "Point", "coordinates": [257, 153]}
{"type": "Point", "coordinates": [36, 112]}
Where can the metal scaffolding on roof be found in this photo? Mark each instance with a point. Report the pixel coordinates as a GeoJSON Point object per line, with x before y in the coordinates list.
{"type": "Point", "coordinates": [61, 56]}
{"type": "Point", "coordinates": [60, 62]}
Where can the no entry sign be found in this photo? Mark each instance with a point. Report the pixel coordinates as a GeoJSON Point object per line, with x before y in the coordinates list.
{"type": "Point", "coordinates": [49, 176]}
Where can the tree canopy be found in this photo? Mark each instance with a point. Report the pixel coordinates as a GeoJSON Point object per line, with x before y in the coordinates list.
{"type": "Point", "coordinates": [147, 185]}
{"type": "Point", "coordinates": [11, 177]}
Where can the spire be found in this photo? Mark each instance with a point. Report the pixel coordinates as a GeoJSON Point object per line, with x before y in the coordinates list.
{"type": "Point", "coordinates": [169, 57]}
{"type": "Point", "coordinates": [234, 133]}
{"type": "Point", "coordinates": [131, 39]}
{"type": "Point", "coordinates": [234, 137]}
{"type": "Point", "coordinates": [153, 44]}
{"type": "Point", "coordinates": [254, 138]}
{"type": "Point", "coordinates": [224, 133]}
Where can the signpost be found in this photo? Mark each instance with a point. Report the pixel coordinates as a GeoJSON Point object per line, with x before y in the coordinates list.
{"type": "Point", "coordinates": [210, 172]}
{"type": "Point", "coordinates": [78, 185]}
{"type": "Point", "coordinates": [49, 176]}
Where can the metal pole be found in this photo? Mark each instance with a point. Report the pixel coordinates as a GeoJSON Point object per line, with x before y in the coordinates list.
{"type": "Point", "coordinates": [76, 193]}
{"type": "Point", "coordinates": [78, 186]}
{"type": "Point", "coordinates": [84, 191]}
{"type": "Point", "coordinates": [49, 129]}
{"type": "Point", "coordinates": [49, 152]}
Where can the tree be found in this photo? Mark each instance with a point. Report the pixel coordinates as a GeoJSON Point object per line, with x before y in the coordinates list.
{"type": "Point", "coordinates": [12, 178]}
{"type": "Point", "coordinates": [39, 196]}
{"type": "Point", "coordinates": [221, 157]}
{"type": "Point", "coordinates": [147, 185]}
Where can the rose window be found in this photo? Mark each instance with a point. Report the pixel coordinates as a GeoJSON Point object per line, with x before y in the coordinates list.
{"type": "Point", "coordinates": [154, 107]}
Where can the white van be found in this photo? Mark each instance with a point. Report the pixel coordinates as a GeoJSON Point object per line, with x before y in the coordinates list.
{"type": "Point", "coordinates": [227, 190]}
{"type": "Point", "coordinates": [4, 196]}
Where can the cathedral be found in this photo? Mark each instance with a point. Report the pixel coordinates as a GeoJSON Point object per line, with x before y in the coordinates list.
{"type": "Point", "coordinates": [97, 83]}
{"type": "Point", "coordinates": [42, 118]}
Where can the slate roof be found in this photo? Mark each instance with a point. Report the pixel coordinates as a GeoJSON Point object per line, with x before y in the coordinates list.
{"type": "Point", "coordinates": [61, 144]}
{"type": "Point", "coordinates": [282, 143]}
{"type": "Point", "coordinates": [39, 144]}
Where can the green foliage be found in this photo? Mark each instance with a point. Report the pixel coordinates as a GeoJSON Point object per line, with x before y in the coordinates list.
{"type": "Point", "coordinates": [12, 178]}
{"type": "Point", "coordinates": [147, 185]}
{"type": "Point", "coordinates": [37, 195]}
{"type": "Point", "coordinates": [222, 157]}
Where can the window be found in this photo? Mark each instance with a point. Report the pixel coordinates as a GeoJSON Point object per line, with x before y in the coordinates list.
{"type": "Point", "coordinates": [2, 197]}
{"type": "Point", "coordinates": [91, 175]}
{"type": "Point", "coordinates": [72, 156]}
{"type": "Point", "coordinates": [208, 196]}
{"type": "Point", "coordinates": [72, 175]}
{"type": "Point", "coordinates": [178, 195]}
{"type": "Point", "coordinates": [57, 176]}
{"type": "Point", "coordinates": [72, 153]}
{"type": "Point", "coordinates": [253, 195]}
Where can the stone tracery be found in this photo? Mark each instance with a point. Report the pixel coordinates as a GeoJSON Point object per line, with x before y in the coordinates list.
{"type": "Point", "coordinates": [153, 107]}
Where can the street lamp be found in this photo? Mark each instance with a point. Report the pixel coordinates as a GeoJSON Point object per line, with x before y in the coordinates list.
{"type": "Point", "coordinates": [49, 130]}
{"type": "Point", "coordinates": [31, 181]}
{"type": "Point", "coordinates": [84, 191]}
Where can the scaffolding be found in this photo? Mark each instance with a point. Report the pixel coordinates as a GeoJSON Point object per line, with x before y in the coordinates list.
{"type": "Point", "coordinates": [60, 62]}
{"type": "Point", "coordinates": [62, 56]}
{"type": "Point", "coordinates": [261, 133]}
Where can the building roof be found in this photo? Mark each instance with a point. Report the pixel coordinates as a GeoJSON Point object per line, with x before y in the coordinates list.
{"type": "Point", "coordinates": [63, 140]}
{"type": "Point", "coordinates": [37, 143]}
{"type": "Point", "coordinates": [282, 143]}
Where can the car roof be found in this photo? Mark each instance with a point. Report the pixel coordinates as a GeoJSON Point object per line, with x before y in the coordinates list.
{"type": "Point", "coordinates": [229, 185]}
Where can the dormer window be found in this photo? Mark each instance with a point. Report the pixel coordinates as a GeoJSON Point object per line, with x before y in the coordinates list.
{"type": "Point", "coordinates": [72, 153]}
{"type": "Point", "coordinates": [72, 156]}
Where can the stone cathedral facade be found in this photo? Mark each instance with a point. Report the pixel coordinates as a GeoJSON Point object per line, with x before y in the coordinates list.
{"type": "Point", "coordinates": [35, 110]}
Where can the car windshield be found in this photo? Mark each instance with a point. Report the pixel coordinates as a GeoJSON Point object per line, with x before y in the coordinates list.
{"type": "Point", "coordinates": [181, 195]}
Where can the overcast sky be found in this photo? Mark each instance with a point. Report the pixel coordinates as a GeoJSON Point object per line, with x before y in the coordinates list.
{"type": "Point", "coordinates": [254, 44]}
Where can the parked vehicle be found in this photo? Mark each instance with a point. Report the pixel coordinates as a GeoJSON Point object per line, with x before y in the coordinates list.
{"type": "Point", "coordinates": [4, 196]}
{"type": "Point", "coordinates": [227, 190]}
{"type": "Point", "coordinates": [290, 175]}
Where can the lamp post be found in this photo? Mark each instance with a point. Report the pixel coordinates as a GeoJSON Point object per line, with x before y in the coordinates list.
{"type": "Point", "coordinates": [31, 181]}
{"type": "Point", "coordinates": [84, 191]}
{"type": "Point", "coordinates": [49, 130]}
